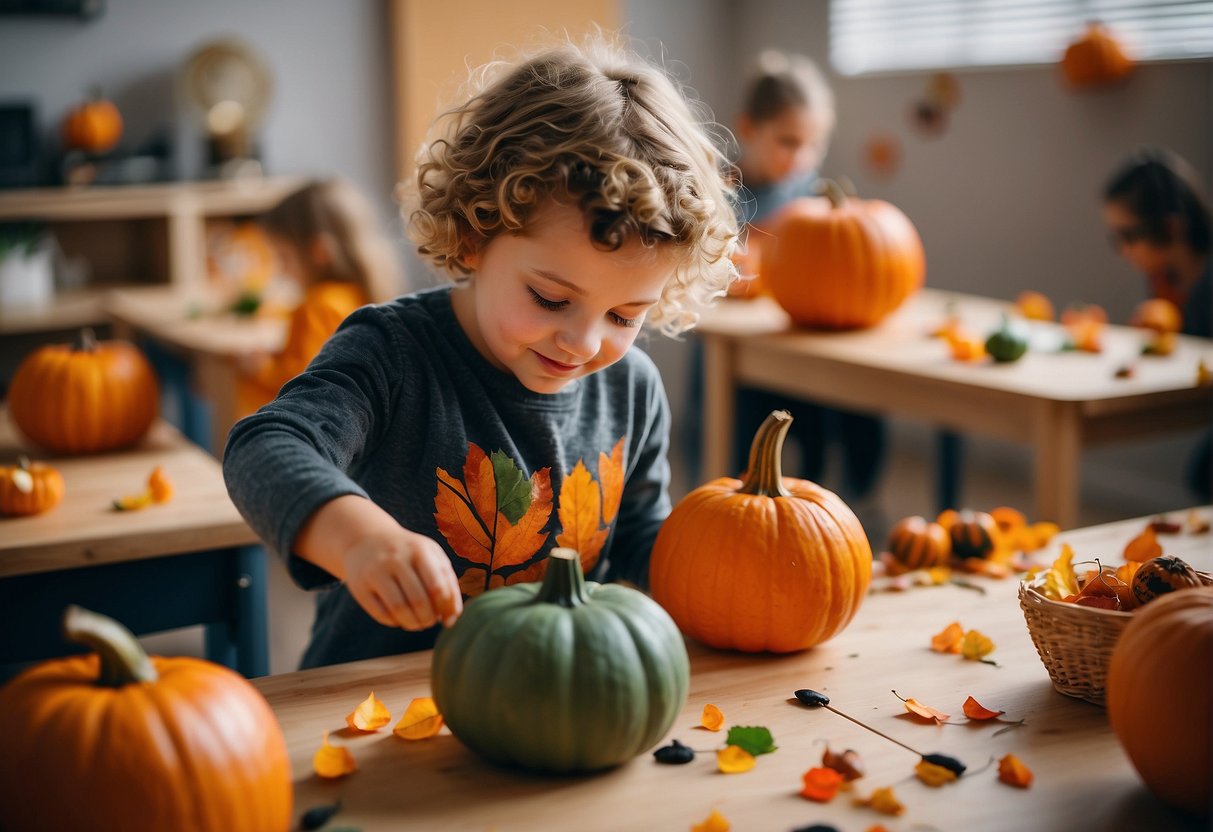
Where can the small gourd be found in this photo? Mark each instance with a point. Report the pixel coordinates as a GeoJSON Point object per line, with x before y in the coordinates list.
{"type": "Point", "coordinates": [1160, 575]}
{"type": "Point", "coordinates": [918, 543]}
{"type": "Point", "coordinates": [974, 534]}
{"type": "Point", "coordinates": [1007, 343]}
{"type": "Point", "coordinates": [29, 488]}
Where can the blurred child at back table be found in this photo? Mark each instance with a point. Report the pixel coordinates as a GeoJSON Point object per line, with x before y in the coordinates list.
{"type": "Point", "coordinates": [442, 443]}
{"type": "Point", "coordinates": [1158, 217]}
{"type": "Point", "coordinates": [784, 131]}
{"type": "Point", "coordinates": [327, 239]}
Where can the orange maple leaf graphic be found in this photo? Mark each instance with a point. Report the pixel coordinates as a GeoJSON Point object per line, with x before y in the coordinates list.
{"type": "Point", "coordinates": [610, 472]}
{"type": "Point", "coordinates": [580, 510]}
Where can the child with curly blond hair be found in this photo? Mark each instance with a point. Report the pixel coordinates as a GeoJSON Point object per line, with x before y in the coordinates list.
{"type": "Point", "coordinates": [442, 443]}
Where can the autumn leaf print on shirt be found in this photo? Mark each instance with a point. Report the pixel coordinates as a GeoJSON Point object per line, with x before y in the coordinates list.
{"type": "Point", "coordinates": [494, 519]}
{"type": "Point", "coordinates": [587, 508]}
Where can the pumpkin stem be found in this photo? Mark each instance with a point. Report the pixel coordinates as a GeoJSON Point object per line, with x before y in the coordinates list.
{"type": "Point", "coordinates": [764, 476]}
{"type": "Point", "coordinates": [123, 659]}
{"type": "Point", "coordinates": [564, 582]}
{"type": "Point", "coordinates": [835, 192]}
{"type": "Point", "coordinates": [86, 341]}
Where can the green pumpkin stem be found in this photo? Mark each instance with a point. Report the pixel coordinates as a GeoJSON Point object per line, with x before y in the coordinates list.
{"type": "Point", "coordinates": [564, 582]}
{"type": "Point", "coordinates": [86, 341]}
{"type": "Point", "coordinates": [835, 192]}
{"type": "Point", "coordinates": [123, 659]}
{"type": "Point", "coordinates": [764, 476]}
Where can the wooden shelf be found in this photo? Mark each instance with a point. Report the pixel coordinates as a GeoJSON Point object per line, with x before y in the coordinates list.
{"type": "Point", "coordinates": [68, 310]}
{"type": "Point", "coordinates": [205, 199]}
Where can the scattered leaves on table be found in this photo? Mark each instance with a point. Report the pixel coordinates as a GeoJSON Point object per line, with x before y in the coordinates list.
{"type": "Point", "coordinates": [924, 711]}
{"type": "Point", "coordinates": [733, 759]}
{"type": "Point", "coordinates": [755, 739]}
{"type": "Point", "coordinates": [882, 800]}
{"type": "Point", "coordinates": [1059, 579]}
{"type": "Point", "coordinates": [1013, 772]}
{"type": "Point", "coordinates": [1143, 547]}
{"type": "Point", "coordinates": [715, 822]}
{"type": "Point", "coordinates": [674, 754]}
{"type": "Point", "coordinates": [158, 489]}
{"type": "Point", "coordinates": [332, 761]}
{"type": "Point", "coordinates": [948, 639]}
{"type": "Point", "coordinates": [370, 715]}
{"type": "Point", "coordinates": [933, 775]}
{"type": "Point", "coordinates": [975, 710]}
{"type": "Point", "coordinates": [976, 646]}
{"type": "Point", "coordinates": [821, 784]}
{"type": "Point", "coordinates": [849, 764]}
{"type": "Point", "coordinates": [943, 760]}
{"type": "Point", "coordinates": [713, 717]}
{"type": "Point", "coordinates": [421, 720]}
{"type": "Point", "coordinates": [1197, 523]}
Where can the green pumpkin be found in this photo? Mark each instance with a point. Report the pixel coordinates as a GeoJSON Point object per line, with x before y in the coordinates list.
{"type": "Point", "coordinates": [1007, 343]}
{"type": "Point", "coordinates": [563, 676]}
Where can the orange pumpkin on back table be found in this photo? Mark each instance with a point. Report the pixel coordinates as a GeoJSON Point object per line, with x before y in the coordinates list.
{"type": "Point", "coordinates": [839, 262]}
{"type": "Point", "coordinates": [766, 563]}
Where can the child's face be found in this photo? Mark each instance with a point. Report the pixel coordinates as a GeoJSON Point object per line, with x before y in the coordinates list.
{"type": "Point", "coordinates": [781, 146]}
{"type": "Point", "coordinates": [550, 307]}
{"type": "Point", "coordinates": [1129, 238]}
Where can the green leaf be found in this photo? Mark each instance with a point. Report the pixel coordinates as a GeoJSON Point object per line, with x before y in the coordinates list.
{"type": "Point", "coordinates": [513, 489]}
{"type": "Point", "coordinates": [753, 738]}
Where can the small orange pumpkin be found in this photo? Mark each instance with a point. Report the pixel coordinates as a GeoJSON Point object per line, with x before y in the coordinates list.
{"type": "Point", "coordinates": [1160, 575]}
{"type": "Point", "coordinates": [1158, 314]}
{"type": "Point", "coordinates": [917, 543]}
{"type": "Point", "coordinates": [147, 743]}
{"type": "Point", "coordinates": [29, 488]}
{"type": "Point", "coordinates": [86, 397]}
{"type": "Point", "coordinates": [1034, 306]}
{"type": "Point", "coordinates": [1160, 697]}
{"type": "Point", "coordinates": [1096, 59]}
{"type": "Point", "coordinates": [94, 126]}
{"type": "Point", "coordinates": [974, 534]}
{"type": "Point", "coordinates": [766, 563]}
{"type": "Point", "coordinates": [839, 262]}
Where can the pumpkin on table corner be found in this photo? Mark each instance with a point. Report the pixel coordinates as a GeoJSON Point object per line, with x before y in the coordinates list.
{"type": "Point", "coordinates": [763, 564]}
{"type": "Point", "coordinates": [29, 488]}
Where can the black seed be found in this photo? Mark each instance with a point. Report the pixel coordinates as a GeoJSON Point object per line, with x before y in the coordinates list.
{"type": "Point", "coordinates": [816, 827]}
{"type": "Point", "coordinates": [318, 816]}
{"type": "Point", "coordinates": [944, 761]}
{"type": "Point", "coordinates": [812, 698]}
{"type": "Point", "coordinates": [674, 754]}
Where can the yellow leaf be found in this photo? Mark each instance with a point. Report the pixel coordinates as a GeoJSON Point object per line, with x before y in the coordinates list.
{"type": "Point", "coordinates": [948, 640]}
{"type": "Point", "coordinates": [713, 717]}
{"type": "Point", "coordinates": [1060, 581]}
{"type": "Point", "coordinates": [933, 775]}
{"type": "Point", "coordinates": [610, 472]}
{"type": "Point", "coordinates": [421, 720]}
{"type": "Point", "coordinates": [579, 512]}
{"type": "Point", "coordinates": [715, 822]}
{"type": "Point", "coordinates": [734, 760]}
{"type": "Point", "coordinates": [976, 646]}
{"type": "Point", "coordinates": [333, 761]}
{"type": "Point", "coordinates": [883, 801]}
{"type": "Point", "coordinates": [370, 715]}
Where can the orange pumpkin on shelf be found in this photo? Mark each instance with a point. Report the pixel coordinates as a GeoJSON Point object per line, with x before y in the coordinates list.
{"type": "Point", "coordinates": [84, 397]}
{"type": "Point", "coordinates": [1096, 59]}
{"type": "Point", "coordinates": [29, 488]}
{"type": "Point", "coordinates": [1160, 697]}
{"type": "Point", "coordinates": [839, 262]}
{"type": "Point", "coordinates": [787, 541]}
{"type": "Point", "coordinates": [94, 126]}
{"type": "Point", "coordinates": [145, 742]}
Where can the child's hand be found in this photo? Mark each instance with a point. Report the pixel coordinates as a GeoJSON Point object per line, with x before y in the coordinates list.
{"type": "Point", "coordinates": [403, 580]}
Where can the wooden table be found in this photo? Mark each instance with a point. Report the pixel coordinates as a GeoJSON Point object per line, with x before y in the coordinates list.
{"type": "Point", "coordinates": [190, 561]}
{"type": "Point", "coordinates": [1056, 402]}
{"type": "Point", "coordinates": [1083, 779]}
{"type": "Point", "coordinates": [194, 346]}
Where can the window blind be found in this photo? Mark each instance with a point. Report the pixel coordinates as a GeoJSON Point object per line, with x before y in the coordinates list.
{"type": "Point", "coordinates": [885, 35]}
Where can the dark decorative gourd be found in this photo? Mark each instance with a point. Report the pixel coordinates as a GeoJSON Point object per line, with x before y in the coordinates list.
{"type": "Point", "coordinates": [1007, 343]}
{"type": "Point", "coordinates": [974, 534]}
{"type": "Point", "coordinates": [1161, 575]}
{"type": "Point", "coordinates": [918, 543]}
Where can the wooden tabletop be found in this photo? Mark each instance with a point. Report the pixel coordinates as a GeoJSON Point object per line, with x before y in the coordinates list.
{"type": "Point", "coordinates": [1083, 779]}
{"type": "Point", "coordinates": [191, 321]}
{"type": "Point", "coordinates": [85, 530]}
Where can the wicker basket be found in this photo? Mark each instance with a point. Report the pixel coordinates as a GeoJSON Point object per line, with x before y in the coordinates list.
{"type": "Point", "coordinates": [1075, 643]}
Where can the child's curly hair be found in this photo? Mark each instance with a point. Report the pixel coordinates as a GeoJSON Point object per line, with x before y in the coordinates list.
{"type": "Point", "coordinates": [599, 127]}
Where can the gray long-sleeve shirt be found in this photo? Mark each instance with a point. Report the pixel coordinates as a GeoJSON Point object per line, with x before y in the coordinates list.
{"type": "Point", "coordinates": [400, 407]}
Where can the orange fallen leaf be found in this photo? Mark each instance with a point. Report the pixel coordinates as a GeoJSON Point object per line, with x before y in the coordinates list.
{"type": "Point", "coordinates": [1196, 523]}
{"type": "Point", "coordinates": [883, 801]}
{"type": "Point", "coordinates": [160, 486]}
{"type": "Point", "coordinates": [332, 761]}
{"type": "Point", "coordinates": [821, 784]}
{"type": "Point", "coordinates": [933, 775]}
{"type": "Point", "coordinates": [713, 717]}
{"type": "Point", "coordinates": [975, 710]}
{"type": "Point", "coordinates": [1014, 773]}
{"type": "Point", "coordinates": [370, 715]}
{"type": "Point", "coordinates": [976, 646]}
{"type": "Point", "coordinates": [421, 720]}
{"type": "Point", "coordinates": [715, 822]}
{"type": "Point", "coordinates": [925, 711]}
{"type": "Point", "coordinates": [948, 640]}
{"type": "Point", "coordinates": [849, 764]}
{"type": "Point", "coordinates": [1143, 547]}
{"type": "Point", "coordinates": [733, 759]}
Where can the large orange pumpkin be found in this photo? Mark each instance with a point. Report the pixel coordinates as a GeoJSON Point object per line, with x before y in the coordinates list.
{"type": "Point", "coordinates": [842, 263]}
{"type": "Point", "coordinates": [767, 563]}
{"type": "Point", "coordinates": [1160, 696]}
{"type": "Point", "coordinates": [1095, 59]}
{"type": "Point", "coordinates": [85, 397]}
{"type": "Point", "coordinates": [115, 740]}
{"type": "Point", "coordinates": [94, 126]}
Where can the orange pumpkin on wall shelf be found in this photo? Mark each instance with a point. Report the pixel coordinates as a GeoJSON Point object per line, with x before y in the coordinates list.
{"type": "Point", "coordinates": [1096, 59]}
{"type": "Point", "coordinates": [839, 262]}
{"type": "Point", "coordinates": [94, 126]}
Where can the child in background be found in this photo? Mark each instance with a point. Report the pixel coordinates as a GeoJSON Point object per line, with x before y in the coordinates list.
{"type": "Point", "coordinates": [1159, 221]}
{"type": "Point", "coordinates": [440, 444]}
{"type": "Point", "coordinates": [327, 238]}
{"type": "Point", "coordinates": [784, 131]}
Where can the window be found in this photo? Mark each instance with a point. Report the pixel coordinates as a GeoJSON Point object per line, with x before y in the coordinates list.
{"type": "Point", "coordinates": [883, 35]}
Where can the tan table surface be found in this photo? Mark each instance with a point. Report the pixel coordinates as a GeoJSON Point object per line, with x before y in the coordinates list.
{"type": "Point", "coordinates": [1083, 779]}
{"type": "Point", "coordinates": [1055, 402]}
{"type": "Point", "coordinates": [210, 342]}
{"type": "Point", "coordinates": [84, 530]}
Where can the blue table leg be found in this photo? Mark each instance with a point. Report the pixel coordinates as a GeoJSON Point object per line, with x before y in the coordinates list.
{"type": "Point", "coordinates": [192, 414]}
{"type": "Point", "coordinates": [950, 459]}
{"type": "Point", "coordinates": [242, 641]}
